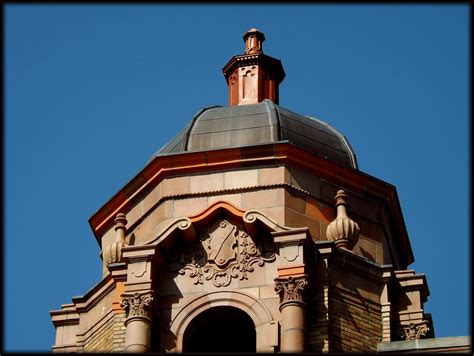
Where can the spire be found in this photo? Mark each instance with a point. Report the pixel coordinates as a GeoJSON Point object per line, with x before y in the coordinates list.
{"type": "Point", "coordinates": [253, 76]}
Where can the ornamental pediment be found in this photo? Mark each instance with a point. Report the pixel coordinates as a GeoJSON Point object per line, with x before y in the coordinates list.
{"type": "Point", "coordinates": [219, 244]}
{"type": "Point", "coordinates": [222, 251]}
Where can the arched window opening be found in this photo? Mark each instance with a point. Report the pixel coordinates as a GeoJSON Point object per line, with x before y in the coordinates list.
{"type": "Point", "coordinates": [220, 329]}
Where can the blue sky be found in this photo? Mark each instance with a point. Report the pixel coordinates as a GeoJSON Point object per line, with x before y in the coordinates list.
{"type": "Point", "coordinates": [92, 91]}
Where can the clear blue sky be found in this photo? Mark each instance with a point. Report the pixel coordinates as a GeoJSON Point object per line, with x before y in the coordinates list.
{"type": "Point", "coordinates": [92, 91]}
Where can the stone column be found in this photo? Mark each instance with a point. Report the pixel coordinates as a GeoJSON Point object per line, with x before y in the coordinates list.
{"type": "Point", "coordinates": [292, 309]}
{"type": "Point", "coordinates": [137, 300]}
{"type": "Point", "coordinates": [138, 322]}
{"type": "Point", "coordinates": [290, 284]}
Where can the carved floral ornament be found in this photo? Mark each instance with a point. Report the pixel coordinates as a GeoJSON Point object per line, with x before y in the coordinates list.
{"type": "Point", "coordinates": [291, 289]}
{"type": "Point", "coordinates": [415, 331]}
{"type": "Point", "coordinates": [136, 304]}
{"type": "Point", "coordinates": [222, 252]}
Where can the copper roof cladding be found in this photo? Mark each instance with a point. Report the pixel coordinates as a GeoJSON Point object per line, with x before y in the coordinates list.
{"type": "Point", "coordinates": [253, 116]}
{"type": "Point", "coordinates": [262, 123]}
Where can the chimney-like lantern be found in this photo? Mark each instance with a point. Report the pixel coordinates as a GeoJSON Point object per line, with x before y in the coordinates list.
{"type": "Point", "coordinates": [253, 76]}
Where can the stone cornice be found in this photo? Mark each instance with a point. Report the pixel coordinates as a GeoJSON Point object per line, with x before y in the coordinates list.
{"type": "Point", "coordinates": [93, 296]}
{"type": "Point", "coordinates": [439, 344]}
{"type": "Point", "coordinates": [253, 156]}
{"type": "Point", "coordinates": [69, 313]}
{"type": "Point", "coordinates": [353, 262]}
{"type": "Point", "coordinates": [409, 280]}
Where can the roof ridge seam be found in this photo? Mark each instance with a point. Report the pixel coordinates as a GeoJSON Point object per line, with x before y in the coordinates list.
{"type": "Point", "coordinates": [343, 139]}
{"type": "Point", "coordinates": [193, 121]}
{"type": "Point", "coordinates": [273, 112]}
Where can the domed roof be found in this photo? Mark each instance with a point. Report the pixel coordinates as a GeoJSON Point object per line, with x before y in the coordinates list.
{"type": "Point", "coordinates": [262, 123]}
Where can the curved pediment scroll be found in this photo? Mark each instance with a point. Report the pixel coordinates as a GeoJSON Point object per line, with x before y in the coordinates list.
{"type": "Point", "coordinates": [252, 218]}
{"type": "Point", "coordinates": [186, 225]}
{"type": "Point", "coordinates": [159, 234]}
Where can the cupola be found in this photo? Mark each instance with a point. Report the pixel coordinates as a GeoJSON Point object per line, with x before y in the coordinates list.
{"type": "Point", "coordinates": [253, 76]}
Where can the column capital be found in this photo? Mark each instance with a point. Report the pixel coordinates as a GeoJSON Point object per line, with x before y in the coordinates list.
{"type": "Point", "coordinates": [291, 289]}
{"type": "Point", "coordinates": [415, 331]}
{"type": "Point", "coordinates": [137, 304]}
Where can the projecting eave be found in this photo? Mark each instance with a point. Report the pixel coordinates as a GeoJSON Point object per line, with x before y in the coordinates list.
{"type": "Point", "coordinates": [282, 153]}
{"type": "Point", "coordinates": [273, 64]}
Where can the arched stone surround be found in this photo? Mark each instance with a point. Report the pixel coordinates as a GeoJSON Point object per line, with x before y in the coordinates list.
{"type": "Point", "coordinates": [266, 326]}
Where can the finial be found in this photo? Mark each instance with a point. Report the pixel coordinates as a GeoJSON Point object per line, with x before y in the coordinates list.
{"type": "Point", "coordinates": [341, 198]}
{"type": "Point", "coordinates": [113, 253]}
{"type": "Point", "coordinates": [120, 221]}
{"type": "Point", "coordinates": [343, 230]}
{"type": "Point", "coordinates": [253, 39]}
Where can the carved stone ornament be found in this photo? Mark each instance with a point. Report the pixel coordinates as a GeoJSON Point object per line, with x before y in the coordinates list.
{"type": "Point", "coordinates": [136, 304]}
{"type": "Point", "coordinates": [113, 253]}
{"type": "Point", "coordinates": [290, 289]}
{"type": "Point", "coordinates": [222, 252]}
{"type": "Point", "coordinates": [343, 230]}
{"type": "Point", "coordinates": [415, 331]}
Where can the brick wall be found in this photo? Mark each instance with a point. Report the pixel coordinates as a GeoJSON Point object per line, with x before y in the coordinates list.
{"type": "Point", "coordinates": [119, 332]}
{"type": "Point", "coordinates": [110, 337]}
{"type": "Point", "coordinates": [355, 322]}
{"type": "Point", "coordinates": [317, 321]}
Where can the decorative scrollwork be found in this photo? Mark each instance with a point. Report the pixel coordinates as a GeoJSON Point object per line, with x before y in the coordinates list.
{"type": "Point", "coordinates": [223, 252]}
{"type": "Point", "coordinates": [136, 304]}
{"type": "Point", "coordinates": [290, 289]}
{"type": "Point", "coordinates": [415, 331]}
